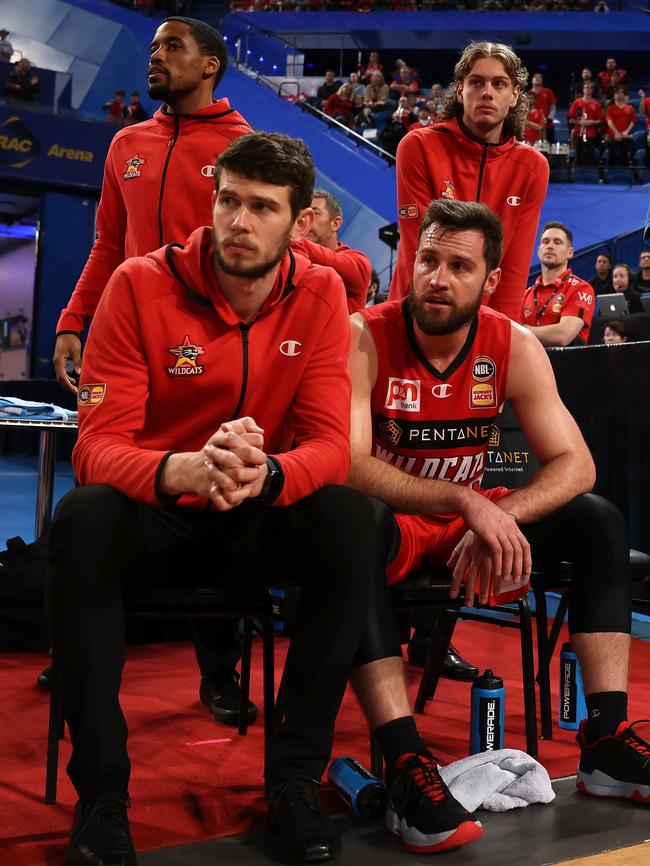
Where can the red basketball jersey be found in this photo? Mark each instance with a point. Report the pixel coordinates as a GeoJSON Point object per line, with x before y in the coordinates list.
{"type": "Point", "coordinates": [430, 423]}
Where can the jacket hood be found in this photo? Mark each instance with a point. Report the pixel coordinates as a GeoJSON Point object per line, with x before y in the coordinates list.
{"type": "Point", "coordinates": [219, 112]}
{"type": "Point", "coordinates": [191, 265]}
{"type": "Point", "coordinates": [465, 139]}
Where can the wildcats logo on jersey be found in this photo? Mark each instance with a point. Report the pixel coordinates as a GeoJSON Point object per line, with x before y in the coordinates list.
{"type": "Point", "coordinates": [448, 191]}
{"type": "Point", "coordinates": [187, 354]}
{"type": "Point", "coordinates": [403, 394]}
{"type": "Point", "coordinates": [133, 166]}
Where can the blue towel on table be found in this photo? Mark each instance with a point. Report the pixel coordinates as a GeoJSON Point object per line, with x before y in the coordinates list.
{"type": "Point", "coordinates": [14, 408]}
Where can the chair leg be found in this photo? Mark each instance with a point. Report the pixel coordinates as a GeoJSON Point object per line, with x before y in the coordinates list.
{"type": "Point", "coordinates": [245, 682]}
{"type": "Point", "coordinates": [435, 658]}
{"type": "Point", "coordinates": [54, 734]}
{"type": "Point", "coordinates": [558, 623]}
{"type": "Point", "coordinates": [269, 678]}
{"type": "Point", "coordinates": [543, 663]}
{"type": "Point", "coordinates": [528, 674]}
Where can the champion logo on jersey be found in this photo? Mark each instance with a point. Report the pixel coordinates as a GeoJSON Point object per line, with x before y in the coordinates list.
{"type": "Point", "coordinates": [187, 354]}
{"type": "Point", "coordinates": [514, 200]}
{"type": "Point", "coordinates": [208, 171]}
{"type": "Point", "coordinates": [133, 166]}
{"type": "Point", "coordinates": [442, 391]}
{"type": "Point", "coordinates": [448, 191]}
{"type": "Point", "coordinates": [291, 348]}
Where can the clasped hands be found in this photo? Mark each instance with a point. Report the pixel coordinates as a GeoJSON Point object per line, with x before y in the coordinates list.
{"type": "Point", "coordinates": [235, 463]}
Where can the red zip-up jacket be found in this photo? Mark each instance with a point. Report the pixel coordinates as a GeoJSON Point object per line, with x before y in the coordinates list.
{"type": "Point", "coordinates": [352, 266]}
{"type": "Point", "coordinates": [157, 182]}
{"type": "Point", "coordinates": [444, 161]}
{"type": "Point", "coordinates": [168, 361]}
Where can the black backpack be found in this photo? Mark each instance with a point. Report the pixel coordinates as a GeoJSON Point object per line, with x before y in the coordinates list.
{"type": "Point", "coordinates": [22, 608]}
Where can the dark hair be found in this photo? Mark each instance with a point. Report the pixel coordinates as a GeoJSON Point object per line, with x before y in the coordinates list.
{"type": "Point", "coordinates": [209, 41]}
{"type": "Point", "coordinates": [516, 119]}
{"type": "Point", "coordinates": [135, 93]}
{"type": "Point", "coordinates": [331, 202]}
{"type": "Point", "coordinates": [628, 270]}
{"type": "Point", "coordinates": [463, 216]}
{"type": "Point", "coordinates": [554, 224]}
{"type": "Point", "coordinates": [374, 278]}
{"type": "Point", "coordinates": [617, 326]}
{"type": "Point", "coordinates": [120, 93]}
{"type": "Point", "coordinates": [272, 158]}
{"type": "Point", "coordinates": [606, 255]}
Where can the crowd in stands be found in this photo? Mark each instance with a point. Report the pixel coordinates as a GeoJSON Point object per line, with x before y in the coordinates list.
{"type": "Point", "coordinates": [384, 104]}
{"type": "Point", "coordinates": [121, 113]}
{"type": "Point", "coordinates": [422, 5]}
{"type": "Point", "coordinates": [619, 278]}
{"type": "Point", "coordinates": [21, 82]}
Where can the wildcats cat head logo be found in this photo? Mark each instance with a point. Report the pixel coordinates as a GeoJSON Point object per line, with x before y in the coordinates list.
{"type": "Point", "coordinates": [448, 191]}
{"type": "Point", "coordinates": [133, 166]}
{"type": "Point", "coordinates": [187, 354]}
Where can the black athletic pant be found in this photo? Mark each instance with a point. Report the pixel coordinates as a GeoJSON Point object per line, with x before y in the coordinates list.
{"type": "Point", "coordinates": [102, 544]}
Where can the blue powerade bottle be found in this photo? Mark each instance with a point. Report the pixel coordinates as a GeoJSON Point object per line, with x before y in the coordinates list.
{"type": "Point", "coordinates": [364, 794]}
{"type": "Point", "coordinates": [487, 714]}
{"type": "Point", "coordinates": [572, 693]}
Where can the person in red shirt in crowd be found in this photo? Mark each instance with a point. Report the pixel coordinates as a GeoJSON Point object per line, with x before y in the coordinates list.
{"type": "Point", "coordinates": [620, 118]}
{"type": "Point", "coordinates": [321, 246]}
{"type": "Point", "coordinates": [559, 306]}
{"type": "Point", "coordinates": [474, 155]}
{"type": "Point", "coordinates": [586, 119]}
{"type": "Point", "coordinates": [605, 76]}
{"type": "Point", "coordinates": [115, 108]}
{"type": "Point", "coordinates": [404, 83]}
{"type": "Point", "coordinates": [545, 101]}
{"type": "Point", "coordinates": [339, 105]}
{"type": "Point", "coordinates": [374, 65]}
{"type": "Point", "coordinates": [644, 109]}
{"type": "Point", "coordinates": [535, 121]}
{"type": "Point", "coordinates": [135, 110]}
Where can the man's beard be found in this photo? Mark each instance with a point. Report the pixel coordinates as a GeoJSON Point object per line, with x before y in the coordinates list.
{"type": "Point", "coordinates": [251, 272]}
{"type": "Point", "coordinates": [433, 326]}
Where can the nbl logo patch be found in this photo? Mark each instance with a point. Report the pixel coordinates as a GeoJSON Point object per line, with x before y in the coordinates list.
{"type": "Point", "coordinates": [91, 395]}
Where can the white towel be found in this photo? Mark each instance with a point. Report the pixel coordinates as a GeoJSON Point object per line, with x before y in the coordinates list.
{"type": "Point", "coordinates": [498, 781]}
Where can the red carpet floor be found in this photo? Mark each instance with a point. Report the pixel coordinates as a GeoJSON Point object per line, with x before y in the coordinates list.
{"type": "Point", "coordinates": [193, 779]}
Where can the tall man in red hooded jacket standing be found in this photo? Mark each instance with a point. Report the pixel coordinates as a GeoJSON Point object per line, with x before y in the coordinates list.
{"type": "Point", "coordinates": [474, 155]}
{"type": "Point", "coordinates": [157, 181]}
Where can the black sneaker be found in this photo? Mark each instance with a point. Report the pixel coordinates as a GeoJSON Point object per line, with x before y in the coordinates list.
{"type": "Point", "coordinates": [422, 811]}
{"type": "Point", "coordinates": [100, 833]}
{"type": "Point", "coordinates": [617, 766]}
{"type": "Point", "coordinates": [222, 697]}
{"type": "Point", "coordinates": [301, 829]}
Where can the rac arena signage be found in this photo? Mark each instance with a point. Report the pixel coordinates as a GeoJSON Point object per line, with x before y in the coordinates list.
{"type": "Point", "coordinates": [53, 150]}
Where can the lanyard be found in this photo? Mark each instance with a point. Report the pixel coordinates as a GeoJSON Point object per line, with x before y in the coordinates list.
{"type": "Point", "coordinates": [539, 313]}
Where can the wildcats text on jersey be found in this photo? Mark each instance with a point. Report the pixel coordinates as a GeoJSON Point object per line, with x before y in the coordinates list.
{"type": "Point", "coordinates": [461, 469]}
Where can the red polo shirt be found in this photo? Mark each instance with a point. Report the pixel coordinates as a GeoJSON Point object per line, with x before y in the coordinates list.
{"type": "Point", "coordinates": [621, 116]}
{"type": "Point", "coordinates": [566, 296]}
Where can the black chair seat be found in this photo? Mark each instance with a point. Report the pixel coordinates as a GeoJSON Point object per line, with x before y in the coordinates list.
{"type": "Point", "coordinates": [429, 586]}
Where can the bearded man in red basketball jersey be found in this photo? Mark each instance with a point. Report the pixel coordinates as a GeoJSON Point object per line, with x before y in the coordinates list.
{"type": "Point", "coordinates": [430, 374]}
{"type": "Point", "coordinates": [474, 155]}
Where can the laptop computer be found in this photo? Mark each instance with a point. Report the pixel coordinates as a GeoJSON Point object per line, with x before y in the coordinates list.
{"type": "Point", "coordinates": [612, 306]}
{"type": "Point", "coordinates": [645, 302]}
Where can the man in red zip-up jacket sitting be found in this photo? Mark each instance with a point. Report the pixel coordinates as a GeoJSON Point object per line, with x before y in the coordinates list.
{"type": "Point", "coordinates": [214, 385]}
{"type": "Point", "coordinates": [157, 182]}
{"type": "Point", "coordinates": [474, 155]}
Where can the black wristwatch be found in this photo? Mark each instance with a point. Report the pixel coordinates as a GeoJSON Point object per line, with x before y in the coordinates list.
{"type": "Point", "coordinates": [273, 483]}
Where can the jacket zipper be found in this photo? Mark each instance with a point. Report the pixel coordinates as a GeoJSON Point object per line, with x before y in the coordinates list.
{"type": "Point", "coordinates": [480, 173]}
{"type": "Point", "coordinates": [170, 147]}
{"type": "Point", "coordinates": [244, 382]}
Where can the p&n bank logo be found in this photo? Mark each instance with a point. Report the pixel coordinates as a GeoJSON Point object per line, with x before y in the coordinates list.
{"type": "Point", "coordinates": [403, 394]}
